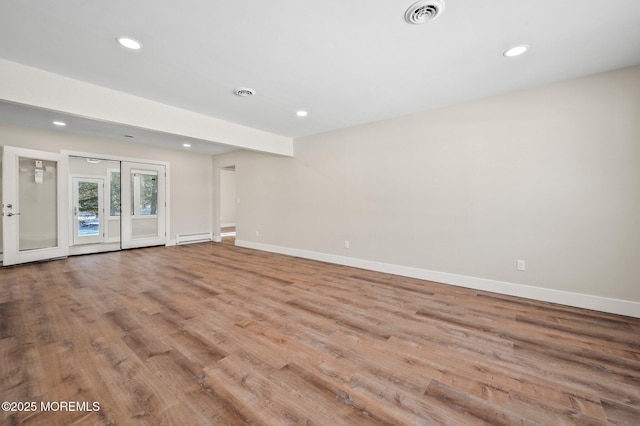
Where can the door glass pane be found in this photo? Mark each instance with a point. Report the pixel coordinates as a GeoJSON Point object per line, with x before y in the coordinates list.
{"type": "Point", "coordinates": [144, 203]}
{"type": "Point", "coordinates": [148, 194]}
{"type": "Point", "coordinates": [114, 198]}
{"type": "Point", "coordinates": [88, 209]}
{"type": "Point", "coordinates": [38, 204]}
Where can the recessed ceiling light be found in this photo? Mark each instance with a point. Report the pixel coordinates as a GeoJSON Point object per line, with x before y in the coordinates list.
{"type": "Point", "coordinates": [244, 92]}
{"type": "Point", "coordinates": [60, 123]}
{"type": "Point", "coordinates": [129, 43]}
{"type": "Point", "coordinates": [302, 113]}
{"type": "Point", "coordinates": [186, 145]}
{"type": "Point", "coordinates": [516, 51]}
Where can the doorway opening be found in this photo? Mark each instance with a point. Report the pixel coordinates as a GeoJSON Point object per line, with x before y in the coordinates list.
{"type": "Point", "coordinates": [228, 201]}
{"type": "Point", "coordinates": [95, 205]}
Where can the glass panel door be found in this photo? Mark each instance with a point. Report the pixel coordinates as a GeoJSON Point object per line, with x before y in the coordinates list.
{"type": "Point", "coordinates": [32, 212]}
{"type": "Point", "coordinates": [142, 205]}
{"type": "Point", "coordinates": [88, 217]}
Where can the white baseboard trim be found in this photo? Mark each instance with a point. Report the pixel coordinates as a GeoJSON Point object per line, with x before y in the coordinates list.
{"type": "Point", "coordinates": [578, 300]}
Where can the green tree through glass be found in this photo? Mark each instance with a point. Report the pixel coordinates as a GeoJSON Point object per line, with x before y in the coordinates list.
{"type": "Point", "coordinates": [149, 194]}
{"type": "Point", "coordinates": [115, 194]}
{"type": "Point", "coordinates": [88, 197]}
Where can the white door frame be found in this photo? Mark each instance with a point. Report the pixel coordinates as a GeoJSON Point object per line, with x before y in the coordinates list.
{"type": "Point", "coordinates": [11, 215]}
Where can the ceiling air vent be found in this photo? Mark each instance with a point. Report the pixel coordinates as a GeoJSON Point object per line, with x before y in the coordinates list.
{"type": "Point", "coordinates": [244, 92]}
{"type": "Point", "coordinates": [424, 11]}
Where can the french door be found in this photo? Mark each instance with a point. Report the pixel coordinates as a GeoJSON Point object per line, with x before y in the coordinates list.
{"type": "Point", "coordinates": [143, 206]}
{"type": "Point", "coordinates": [88, 210]}
{"type": "Point", "coordinates": [34, 196]}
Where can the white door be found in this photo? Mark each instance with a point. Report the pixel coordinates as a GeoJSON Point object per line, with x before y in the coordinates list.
{"type": "Point", "coordinates": [143, 217]}
{"type": "Point", "coordinates": [88, 210]}
{"type": "Point", "coordinates": [33, 198]}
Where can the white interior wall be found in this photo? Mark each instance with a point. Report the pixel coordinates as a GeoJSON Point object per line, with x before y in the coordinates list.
{"type": "Point", "coordinates": [549, 175]}
{"type": "Point", "coordinates": [191, 173]}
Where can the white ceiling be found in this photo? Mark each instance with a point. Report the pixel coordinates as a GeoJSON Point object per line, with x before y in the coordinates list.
{"type": "Point", "coordinates": [345, 62]}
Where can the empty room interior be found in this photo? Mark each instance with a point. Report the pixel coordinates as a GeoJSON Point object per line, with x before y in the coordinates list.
{"type": "Point", "coordinates": [337, 213]}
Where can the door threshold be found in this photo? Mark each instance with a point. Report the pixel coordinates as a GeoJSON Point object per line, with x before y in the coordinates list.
{"type": "Point", "coordinates": [93, 248]}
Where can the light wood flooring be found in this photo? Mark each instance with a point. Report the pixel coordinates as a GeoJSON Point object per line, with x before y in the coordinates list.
{"type": "Point", "coordinates": [212, 334]}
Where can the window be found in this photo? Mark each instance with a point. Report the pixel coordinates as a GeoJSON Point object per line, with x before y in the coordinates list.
{"type": "Point", "coordinates": [114, 193]}
{"type": "Point", "coordinates": [144, 192]}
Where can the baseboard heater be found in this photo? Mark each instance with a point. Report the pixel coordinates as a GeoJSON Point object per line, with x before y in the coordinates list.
{"type": "Point", "coordinates": [193, 238]}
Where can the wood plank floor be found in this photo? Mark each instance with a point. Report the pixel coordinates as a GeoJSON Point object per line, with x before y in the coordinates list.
{"type": "Point", "coordinates": [214, 334]}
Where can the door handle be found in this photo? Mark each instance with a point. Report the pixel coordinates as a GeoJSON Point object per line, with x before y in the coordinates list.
{"type": "Point", "coordinates": [13, 214]}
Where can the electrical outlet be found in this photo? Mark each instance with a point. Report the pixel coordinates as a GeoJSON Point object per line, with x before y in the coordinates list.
{"type": "Point", "coordinates": [257, 233]}
{"type": "Point", "coordinates": [522, 265]}
{"type": "Point", "coordinates": [346, 244]}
